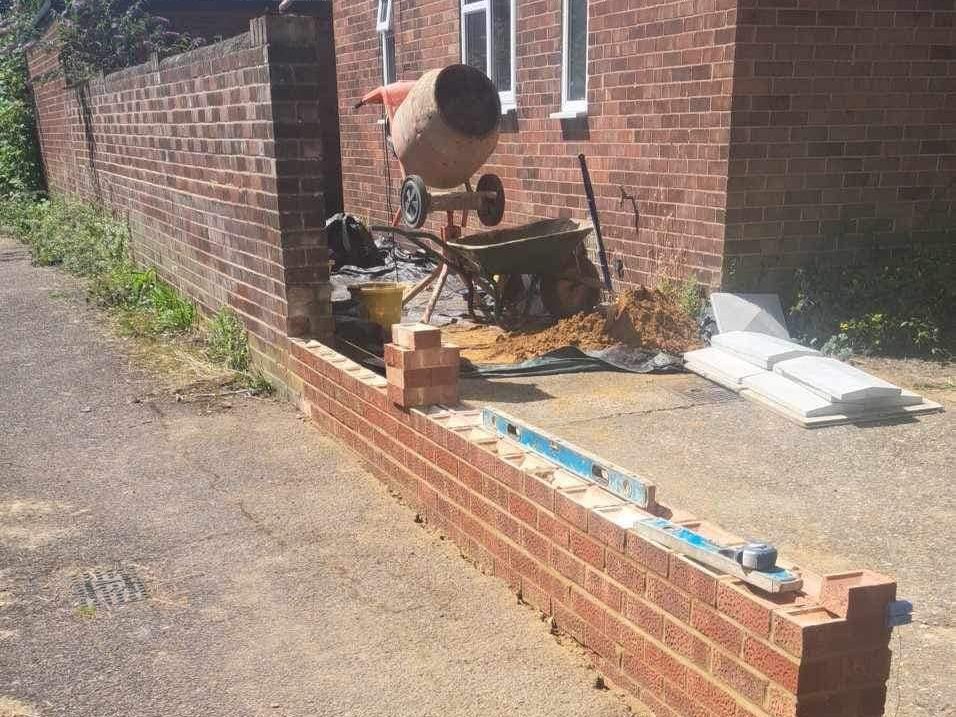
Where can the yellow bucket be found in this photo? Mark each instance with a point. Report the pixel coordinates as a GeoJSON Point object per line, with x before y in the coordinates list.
{"type": "Point", "coordinates": [381, 302]}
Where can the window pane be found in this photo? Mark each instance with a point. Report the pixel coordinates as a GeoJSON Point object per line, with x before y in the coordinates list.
{"type": "Point", "coordinates": [476, 41]}
{"type": "Point", "coordinates": [388, 57]}
{"type": "Point", "coordinates": [501, 43]}
{"type": "Point", "coordinates": [577, 49]}
{"type": "Point", "coordinates": [382, 10]}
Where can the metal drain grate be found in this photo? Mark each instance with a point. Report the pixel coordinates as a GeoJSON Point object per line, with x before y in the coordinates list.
{"type": "Point", "coordinates": [109, 588]}
{"type": "Point", "coordinates": [701, 395]}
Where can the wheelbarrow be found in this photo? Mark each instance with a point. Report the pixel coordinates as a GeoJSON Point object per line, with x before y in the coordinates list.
{"type": "Point", "coordinates": [551, 251]}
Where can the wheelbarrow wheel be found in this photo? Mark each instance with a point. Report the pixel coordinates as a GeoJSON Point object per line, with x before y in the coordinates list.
{"type": "Point", "coordinates": [491, 212]}
{"type": "Point", "coordinates": [577, 288]}
{"type": "Point", "coordinates": [414, 201]}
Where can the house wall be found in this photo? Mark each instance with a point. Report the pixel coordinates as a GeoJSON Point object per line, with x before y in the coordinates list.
{"type": "Point", "coordinates": [216, 159]}
{"type": "Point", "coordinates": [844, 134]}
{"type": "Point", "coordinates": [658, 122]}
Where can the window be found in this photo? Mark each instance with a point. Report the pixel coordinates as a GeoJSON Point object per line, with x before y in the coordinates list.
{"type": "Point", "coordinates": [388, 58]}
{"type": "Point", "coordinates": [488, 43]}
{"type": "Point", "coordinates": [574, 58]}
{"type": "Point", "coordinates": [383, 16]}
{"type": "Point", "coordinates": [383, 24]}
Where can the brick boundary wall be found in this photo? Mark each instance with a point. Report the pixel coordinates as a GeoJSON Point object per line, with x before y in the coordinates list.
{"type": "Point", "coordinates": [221, 160]}
{"type": "Point", "coordinates": [681, 638]}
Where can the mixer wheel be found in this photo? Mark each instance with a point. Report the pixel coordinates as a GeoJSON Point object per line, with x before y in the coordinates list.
{"type": "Point", "coordinates": [414, 201]}
{"type": "Point", "coordinates": [491, 212]}
{"type": "Point", "coordinates": [577, 288]}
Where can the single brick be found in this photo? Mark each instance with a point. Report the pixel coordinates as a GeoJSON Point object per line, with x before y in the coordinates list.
{"type": "Point", "coordinates": [609, 533]}
{"type": "Point", "coordinates": [693, 578]}
{"type": "Point", "coordinates": [746, 682]}
{"type": "Point", "coordinates": [589, 610]}
{"type": "Point", "coordinates": [416, 336]}
{"type": "Point", "coordinates": [604, 590]}
{"type": "Point", "coordinates": [739, 603]}
{"type": "Point", "coordinates": [778, 666]}
{"type": "Point", "coordinates": [665, 663]}
{"type": "Point", "coordinates": [685, 642]}
{"type": "Point", "coordinates": [648, 554]}
{"type": "Point", "coordinates": [645, 616]}
{"type": "Point", "coordinates": [717, 628]}
{"type": "Point", "coordinates": [591, 551]}
{"type": "Point", "coordinates": [809, 633]}
{"type": "Point", "coordinates": [661, 593]}
{"type": "Point", "coordinates": [625, 571]}
{"type": "Point", "coordinates": [573, 512]}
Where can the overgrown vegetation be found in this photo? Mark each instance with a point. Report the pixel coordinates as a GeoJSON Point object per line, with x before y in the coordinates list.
{"type": "Point", "coordinates": [108, 35]}
{"type": "Point", "coordinates": [19, 150]}
{"type": "Point", "coordinates": [688, 294]}
{"type": "Point", "coordinates": [91, 244]}
{"type": "Point", "coordinates": [891, 306]}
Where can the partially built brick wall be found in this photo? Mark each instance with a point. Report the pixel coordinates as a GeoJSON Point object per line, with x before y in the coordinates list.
{"type": "Point", "coordinates": [686, 641]}
{"type": "Point", "coordinates": [218, 159]}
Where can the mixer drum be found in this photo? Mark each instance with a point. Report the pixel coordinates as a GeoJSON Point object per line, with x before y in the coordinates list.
{"type": "Point", "coordinates": [447, 126]}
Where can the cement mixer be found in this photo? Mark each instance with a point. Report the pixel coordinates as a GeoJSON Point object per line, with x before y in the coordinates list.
{"type": "Point", "coordinates": [444, 126]}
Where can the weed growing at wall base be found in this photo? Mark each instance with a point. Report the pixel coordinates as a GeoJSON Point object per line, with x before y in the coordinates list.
{"type": "Point", "coordinates": [90, 243]}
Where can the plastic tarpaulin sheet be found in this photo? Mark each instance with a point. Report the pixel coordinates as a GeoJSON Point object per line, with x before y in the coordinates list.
{"type": "Point", "coordinates": [569, 359]}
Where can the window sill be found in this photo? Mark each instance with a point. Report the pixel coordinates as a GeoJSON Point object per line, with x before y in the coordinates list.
{"type": "Point", "coordinates": [569, 114]}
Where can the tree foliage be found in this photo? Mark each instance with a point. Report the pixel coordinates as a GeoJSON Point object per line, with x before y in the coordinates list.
{"type": "Point", "coordinates": [108, 35]}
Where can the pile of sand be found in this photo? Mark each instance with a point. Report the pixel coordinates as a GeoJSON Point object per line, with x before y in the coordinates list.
{"type": "Point", "coordinates": [643, 318]}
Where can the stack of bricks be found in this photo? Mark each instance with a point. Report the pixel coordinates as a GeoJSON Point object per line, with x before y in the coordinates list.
{"type": "Point", "coordinates": [420, 370]}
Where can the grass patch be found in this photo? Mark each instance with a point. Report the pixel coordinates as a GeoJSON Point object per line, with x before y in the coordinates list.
{"type": "Point", "coordinates": [91, 244]}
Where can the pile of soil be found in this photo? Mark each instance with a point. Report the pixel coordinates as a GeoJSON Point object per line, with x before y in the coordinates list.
{"type": "Point", "coordinates": [642, 318]}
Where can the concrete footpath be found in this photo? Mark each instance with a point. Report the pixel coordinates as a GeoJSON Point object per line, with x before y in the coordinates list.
{"type": "Point", "coordinates": [266, 572]}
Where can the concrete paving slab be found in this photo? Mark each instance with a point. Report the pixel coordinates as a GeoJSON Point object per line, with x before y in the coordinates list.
{"type": "Point", "coordinates": [793, 397]}
{"type": "Point", "coordinates": [760, 349]}
{"type": "Point", "coordinates": [728, 369]}
{"type": "Point", "coordinates": [837, 381]}
{"type": "Point", "coordinates": [760, 313]}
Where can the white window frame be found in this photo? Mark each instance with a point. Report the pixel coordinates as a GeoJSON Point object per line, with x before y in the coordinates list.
{"type": "Point", "coordinates": [573, 108]}
{"type": "Point", "coordinates": [383, 20]}
{"type": "Point", "coordinates": [508, 97]}
{"type": "Point", "coordinates": [384, 42]}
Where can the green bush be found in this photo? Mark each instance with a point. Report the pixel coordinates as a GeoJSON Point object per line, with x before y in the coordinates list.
{"type": "Point", "coordinates": [895, 306]}
{"type": "Point", "coordinates": [108, 35]}
{"type": "Point", "coordinates": [19, 152]}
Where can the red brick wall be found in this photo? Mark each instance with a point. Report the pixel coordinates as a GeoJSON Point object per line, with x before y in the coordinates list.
{"type": "Point", "coordinates": [658, 122]}
{"type": "Point", "coordinates": [216, 159]}
{"type": "Point", "coordinates": [844, 132]}
{"type": "Point", "coordinates": [684, 640]}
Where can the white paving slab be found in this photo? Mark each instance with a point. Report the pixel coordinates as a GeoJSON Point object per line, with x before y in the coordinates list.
{"type": "Point", "coordinates": [760, 313]}
{"type": "Point", "coordinates": [761, 350]}
{"type": "Point", "coordinates": [793, 397]}
{"type": "Point", "coordinates": [727, 368]}
{"type": "Point", "coordinates": [835, 380]}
